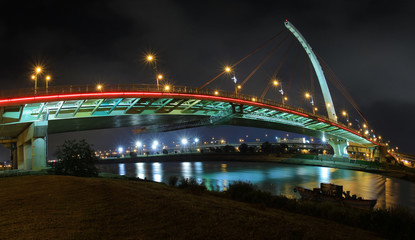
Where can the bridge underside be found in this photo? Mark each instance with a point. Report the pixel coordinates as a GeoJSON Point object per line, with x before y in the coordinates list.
{"type": "Point", "coordinates": [158, 113]}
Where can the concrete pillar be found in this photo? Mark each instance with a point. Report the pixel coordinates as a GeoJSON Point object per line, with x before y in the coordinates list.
{"type": "Point", "coordinates": [31, 147]}
{"type": "Point", "coordinates": [339, 147]}
{"type": "Point", "coordinates": [27, 155]}
{"type": "Point", "coordinates": [39, 153]}
{"type": "Point", "coordinates": [13, 155]}
{"type": "Point", "coordinates": [20, 160]}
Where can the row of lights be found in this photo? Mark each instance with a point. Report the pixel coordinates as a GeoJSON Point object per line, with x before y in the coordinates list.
{"type": "Point", "coordinates": [38, 72]}
{"type": "Point", "coordinates": [155, 144]}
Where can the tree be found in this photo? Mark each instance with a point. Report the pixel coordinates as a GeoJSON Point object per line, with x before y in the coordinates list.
{"type": "Point", "coordinates": [266, 147]}
{"type": "Point", "coordinates": [76, 158]}
{"type": "Point", "coordinates": [243, 148]}
{"type": "Point", "coordinates": [228, 148]}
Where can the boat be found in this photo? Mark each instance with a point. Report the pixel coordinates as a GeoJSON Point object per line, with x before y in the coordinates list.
{"type": "Point", "coordinates": [329, 192]}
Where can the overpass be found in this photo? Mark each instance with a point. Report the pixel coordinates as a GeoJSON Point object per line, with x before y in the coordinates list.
{"type": "Point", "coordinates": [26, 120]}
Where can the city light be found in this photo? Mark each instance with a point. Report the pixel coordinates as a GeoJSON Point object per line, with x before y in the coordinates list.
{"type": "Point", "coordinates": [120, 150]}
{"type": "Point", "coordinates": [184, 141]}
{"type": "Point", "coordinates": [155, 143]}
{"type": "Point", "coordinates": [196, 140]}
{"type": "Point", "coordinates": [167, 87]}
{"type": "Point", "coordinates": [99, 87]}
{"type": "Point", "coordinates": [275, 82]}
{"type": "Point", "coordinates": [227, 69]}
{"type": "Point", "coordinates": [138, 144]}
{"type": "Point", "coordinates": [216, 92]}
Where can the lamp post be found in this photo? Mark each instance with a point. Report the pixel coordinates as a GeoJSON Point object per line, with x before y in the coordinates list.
{"type": "Point", "coordinates": [344, 113]}
{"type": "Point", "coordinates": [307, 95]}
{"type": "Point", "coordinates": [159, 77]}
{"type": "Point", "coordinates": [47, 79]}
{"type": "Point", "coordinates": [283, 98]}
{"type": "Point", "coordinates": [139, 144]}
{"type": "Point", "coordinates": [38, 70]}
{"type": "Point", "coordinates": [152, 59]}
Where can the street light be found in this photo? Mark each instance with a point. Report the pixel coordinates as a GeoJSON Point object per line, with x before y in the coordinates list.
{"type": "Point", "coordinates": [344, 113]}
{"type": "Point", "coordinates": [47, 79]}
{"type": "Point", "coordinates": [307, 95]}
{"type": "Point", "coordinates": [283, 98]}
{"type": "Point", "coordinates": [152, 59]}
{"type": "Point", "coordinates": [99, 87]}
{"type": "Point", "coordinates": [275, 82]}
{"type": "Point", "coordinates": [159, 77]}
{"type": "Point", "coordinates": [38, 70]}
{"type": "Point", "coordinates": [139, 144]}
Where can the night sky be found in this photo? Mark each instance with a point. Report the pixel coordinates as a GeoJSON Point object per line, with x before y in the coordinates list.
{"type": "Point", "coordinates": [368, 44]}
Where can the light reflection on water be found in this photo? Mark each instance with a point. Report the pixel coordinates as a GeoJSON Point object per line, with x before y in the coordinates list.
{"type": "Point", "coordinates": [275, 178]}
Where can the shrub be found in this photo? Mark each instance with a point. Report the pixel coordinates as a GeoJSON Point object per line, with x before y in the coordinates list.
{"type": "Point", "coordinates": [76, 158]}
{"type": "Point", "coordinates": [173, 181]}
{"type": "Point", "coordinates": [192, 185]}
{"type": "Point", "coordinates": [243, 148]}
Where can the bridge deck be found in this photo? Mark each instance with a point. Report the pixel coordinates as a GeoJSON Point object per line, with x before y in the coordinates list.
{"type": "Point", "coordinates": [83, 107]}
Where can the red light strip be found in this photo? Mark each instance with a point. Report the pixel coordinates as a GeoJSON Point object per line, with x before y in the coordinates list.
{"type": "Point", "coordinates": [346, 129]}
{"type": "Point", "coordinates": [63, 97]}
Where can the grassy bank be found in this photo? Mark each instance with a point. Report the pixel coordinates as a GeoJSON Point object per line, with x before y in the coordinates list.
{"type": "Point", "coordinates": [63, 207]}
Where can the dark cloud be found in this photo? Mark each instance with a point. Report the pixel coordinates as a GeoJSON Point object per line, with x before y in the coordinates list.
{"type": "Point", "coordinates": [368, 44]}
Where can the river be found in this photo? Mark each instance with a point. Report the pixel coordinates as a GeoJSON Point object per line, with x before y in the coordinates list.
{"type": "Point", "coordinates": [277, 178]}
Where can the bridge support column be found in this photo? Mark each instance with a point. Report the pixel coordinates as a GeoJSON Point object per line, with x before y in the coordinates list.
{"type": "Point", "coordinates": [31, 147]}
{"type": "Point", "coordinates": [339, 147]}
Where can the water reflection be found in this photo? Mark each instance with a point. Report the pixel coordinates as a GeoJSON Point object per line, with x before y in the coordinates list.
{"type": "Point", "coordinates": [121, 169]}
{"type": "Point", "coordinates": [157, 172]}
{"type": "Point", "coordinates": [275, 178]}
{"type": "Point", "coordinates": [141, 172]}
{"type": "Point", "coordinates": [186, 169]}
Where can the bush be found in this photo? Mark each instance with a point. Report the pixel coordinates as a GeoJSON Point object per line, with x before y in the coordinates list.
{"type": "Point", "coordinates": [192, 185]}
{"type": "Point", "coordinates": [173, 181]}
{"type": "Point", "coordinates": [247, 192]}
{"type": "Point", "coordinates": [243, 148]}
{"type": "Point", "coordinates": [266, 147]}
{"type": "Point", "coordinates": [76, 158]}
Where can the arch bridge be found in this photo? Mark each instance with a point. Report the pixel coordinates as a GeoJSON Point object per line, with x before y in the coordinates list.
{"type": "Point", "coordinates": [26, 119]}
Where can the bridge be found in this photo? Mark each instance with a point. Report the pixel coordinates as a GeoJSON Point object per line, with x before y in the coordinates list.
{"type": "Point", "coordinates": [27, 116]}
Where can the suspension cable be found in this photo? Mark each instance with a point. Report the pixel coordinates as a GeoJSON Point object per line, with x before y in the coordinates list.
{"type": "Point", "coordinates": [263, 61]}
{"type": "Point", "coordinates": [242, 59]}
{"type": "Point", "coordinates": [274, 75]}
{"type": "Point", "coordinates": [336, 82]}
{"type": "Point", "coordinates": [293, 71]}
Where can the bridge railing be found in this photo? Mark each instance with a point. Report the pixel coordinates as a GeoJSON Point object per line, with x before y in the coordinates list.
{"type": "Point", "coordinates": [25, 92]}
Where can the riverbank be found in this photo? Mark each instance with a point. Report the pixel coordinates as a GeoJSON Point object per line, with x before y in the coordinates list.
{"type": "Point", "coordinates": [63, 207]}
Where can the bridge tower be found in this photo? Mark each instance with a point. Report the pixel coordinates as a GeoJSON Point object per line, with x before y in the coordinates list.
{"type": "Point", "coordinates": [317, 68]}
{"type": "Point", "coordinates": [339, 145]}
